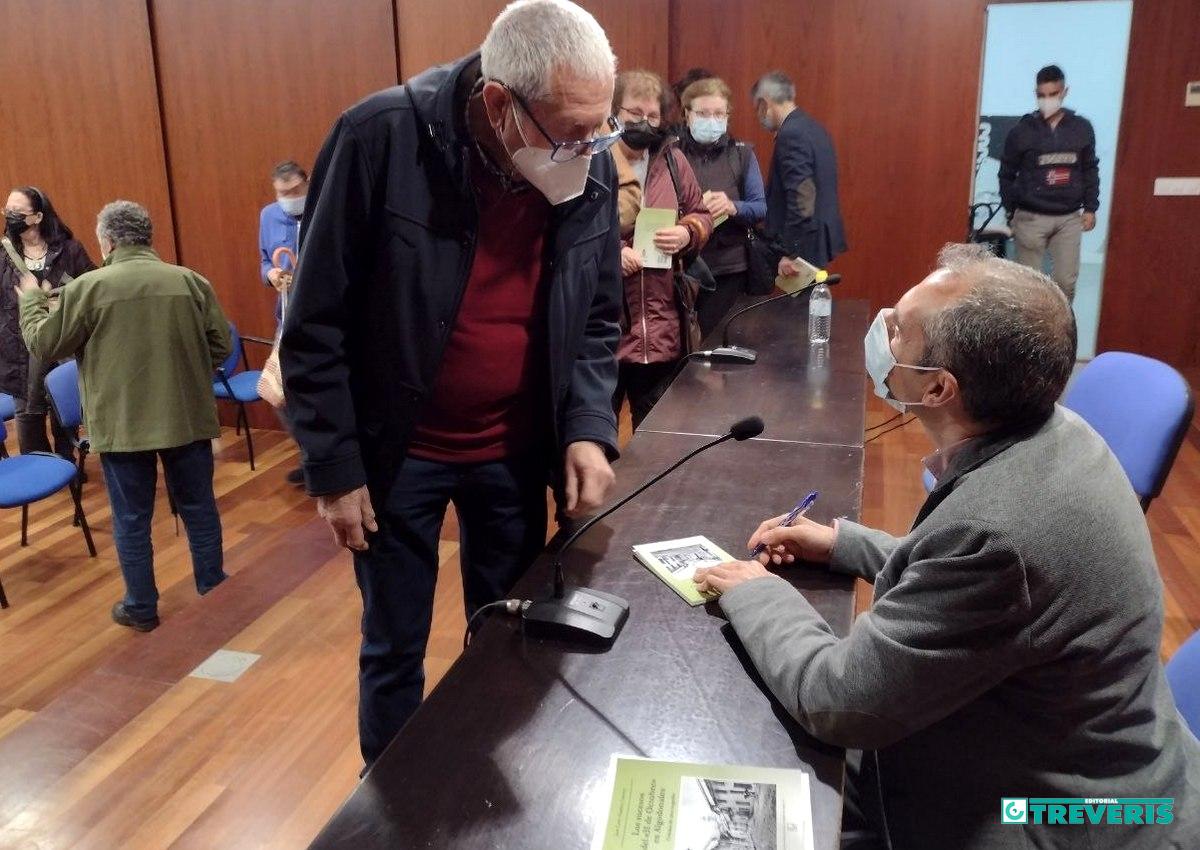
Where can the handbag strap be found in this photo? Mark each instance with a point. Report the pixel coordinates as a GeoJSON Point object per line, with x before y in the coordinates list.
{"type": "Point", "coordinates": [14, 256]}
{"type": "Point", "coordinates": [668, 154]}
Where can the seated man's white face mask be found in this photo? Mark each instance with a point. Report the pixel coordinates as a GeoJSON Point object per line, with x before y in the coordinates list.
{"type": "Point", "coordinates": [881, 362]}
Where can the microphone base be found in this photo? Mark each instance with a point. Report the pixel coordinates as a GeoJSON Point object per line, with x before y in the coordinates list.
{"type": "Point", "coordinates": [732, 354]}
{"type": "Point", "coordinates": [583, 615]}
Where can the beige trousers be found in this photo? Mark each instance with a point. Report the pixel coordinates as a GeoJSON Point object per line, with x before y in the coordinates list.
{"type": "Point", "coordinates": [1037, 233]}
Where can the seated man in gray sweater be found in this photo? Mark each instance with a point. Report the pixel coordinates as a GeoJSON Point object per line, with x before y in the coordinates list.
{"type": "Point", "coordinates": [1011, 649]}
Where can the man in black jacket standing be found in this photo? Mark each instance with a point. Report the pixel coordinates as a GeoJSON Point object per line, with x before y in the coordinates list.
{"type": "Point", "coordinates": [1047, 175]}
{"type": "Point", "coordinates": [451, 334]}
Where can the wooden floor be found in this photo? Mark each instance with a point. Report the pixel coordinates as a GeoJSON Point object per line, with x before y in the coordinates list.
{"type": "Point", "coordinates": [106, 742]}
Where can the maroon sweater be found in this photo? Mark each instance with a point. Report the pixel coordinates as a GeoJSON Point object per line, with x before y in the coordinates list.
{"type": "Point", "coordinates": [490, 396]}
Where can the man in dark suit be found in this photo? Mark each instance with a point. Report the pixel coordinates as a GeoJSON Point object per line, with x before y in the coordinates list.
{"type": "Point", "coordinates": [803, 216]}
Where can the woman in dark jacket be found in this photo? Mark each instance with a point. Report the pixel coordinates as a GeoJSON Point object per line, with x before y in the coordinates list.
{"type": "Point", "coordinates": [49, 251]}
{"type": "Point", "coordinates": [733, 192]}
{"type": "Point", "coordinates": [654, 336]}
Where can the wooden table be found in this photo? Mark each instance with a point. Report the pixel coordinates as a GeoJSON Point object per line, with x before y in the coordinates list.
{"type": "Point", "coordinates": [512, 748]}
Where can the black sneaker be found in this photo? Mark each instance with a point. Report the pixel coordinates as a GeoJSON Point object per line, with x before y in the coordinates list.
{"type": "Point", "coordinates": [296, 477]}
{"type": "Point", "coordinates": [121, 618]}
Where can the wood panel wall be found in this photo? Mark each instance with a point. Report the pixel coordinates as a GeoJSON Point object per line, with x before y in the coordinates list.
{"type": "Point", "coordinates": [429, 32]}
{"type": "Point", "coordinates": [79, 115]}
{"type": "Point", "coordinates": [1151, 301]}
{"type": "Point", "coordinates": [185, 106]}
{"type": "Point", "coordinates": [245, 85]}
{"type": "Point", "coordinates": [895, 82]}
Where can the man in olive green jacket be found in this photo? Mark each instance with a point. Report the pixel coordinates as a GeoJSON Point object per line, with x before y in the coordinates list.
{"type": "Point", "coordinates": [148, 336]}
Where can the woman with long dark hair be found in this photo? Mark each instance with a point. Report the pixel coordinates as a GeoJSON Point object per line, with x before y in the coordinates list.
{"type": "Point", "coordinates": [38, 242]}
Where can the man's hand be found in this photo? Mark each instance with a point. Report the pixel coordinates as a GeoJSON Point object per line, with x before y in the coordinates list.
{"type": "Point", "coordinates": [672, 240]}
{"type": "Point", "coordinates": [1089, 221]}
{"type": "Point", "coordinates": [718, 203]}
{"type": "Point", "coordinates": [28, 283]}
{"type": "Point", "coordinates": [631, 262]}
{"type": "Point", "coordinates": [348, 514]}
{"type": "Point", "coordinates": [589, 478]}
{"type": "Point", "coordinates": [805, 540]}
{"type": "Point", "coordinates": [279, 279]}
{"type": "Point", "coordinates": [722, 577]}
{"type": "Point", "coordinates": [787, 268]}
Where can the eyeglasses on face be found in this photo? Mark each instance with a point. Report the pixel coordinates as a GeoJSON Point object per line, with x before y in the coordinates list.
{"type": "Point", "coordinates": [566, 151]}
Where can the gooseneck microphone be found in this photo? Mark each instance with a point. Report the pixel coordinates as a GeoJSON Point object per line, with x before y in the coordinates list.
{"type": "Point", "coordinates": [593, 616]}
{"type": "Point", "coordinates": [727, 353]}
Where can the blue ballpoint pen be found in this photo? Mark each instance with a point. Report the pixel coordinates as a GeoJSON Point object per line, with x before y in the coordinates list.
{"type": "Point", "coordinates": [800, 510]}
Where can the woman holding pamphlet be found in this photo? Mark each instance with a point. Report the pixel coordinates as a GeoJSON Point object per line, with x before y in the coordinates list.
{"type": "Point", "coordinates": [672, 228]}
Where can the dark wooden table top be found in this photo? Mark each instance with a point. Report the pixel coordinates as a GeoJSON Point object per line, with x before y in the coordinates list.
{"type": "Point", "coordinates": [799, 390]}
{"type": "Point", "coordinates": [512, 748]}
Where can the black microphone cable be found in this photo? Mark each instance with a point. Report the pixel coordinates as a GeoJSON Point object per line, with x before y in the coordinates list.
{"type": "Point", "coordinates": [884, 422]}
{"type": "Point", "coordinates": [510, 606]}
{"type": "Point", "coordinates": [908, 421]}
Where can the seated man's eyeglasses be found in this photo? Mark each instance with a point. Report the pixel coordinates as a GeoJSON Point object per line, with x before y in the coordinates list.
{"type": "Point", "coordinates": [567, 151]}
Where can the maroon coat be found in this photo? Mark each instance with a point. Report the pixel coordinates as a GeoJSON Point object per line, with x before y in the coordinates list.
{"type": "Point", "coordinates": [652, 325]}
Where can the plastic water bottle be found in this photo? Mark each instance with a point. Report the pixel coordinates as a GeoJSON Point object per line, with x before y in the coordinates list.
{"type": "Point", "coordinates": [820, 314]}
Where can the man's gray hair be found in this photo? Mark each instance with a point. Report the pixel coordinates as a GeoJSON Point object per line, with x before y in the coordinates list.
{"type": "Point", "coordinates": [774, 87]}
{"type": "Point", "coordinates": [1009, 341]}
{"type": "Point", "coordinates": [532, 39]}
{"type": "Point", "coordinates": [125, 223]}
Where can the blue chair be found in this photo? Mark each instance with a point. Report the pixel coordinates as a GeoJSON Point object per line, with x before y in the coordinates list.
{"type": "Point", "coordinates": [29, 478]}
{"type": "Point", "coordinates": [1141, 407]}
{"type": "Point", "coordinates": [62, 386]}
{"type": "Point", "coordinates": [8, 407]}
{"type": "Point", "coordinates": [239, 384]}
{"type": "Point", "coordinates": [1183, 675]}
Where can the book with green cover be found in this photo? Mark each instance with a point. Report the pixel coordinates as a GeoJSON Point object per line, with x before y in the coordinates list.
{"type": "Point", "coordinates": [650, 221]}
{"type": "Point", "coordinates": [663, 805]}
{"type": "Point", "coordinates": [675, 562]}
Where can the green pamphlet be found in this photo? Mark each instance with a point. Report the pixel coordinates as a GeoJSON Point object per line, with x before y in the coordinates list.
{"type": "Point", "coordinates": [662, 805]}
{"type": "Point", "coordinates": [675, 562]}
{"type": "Point", "coordinates": [650, 221]}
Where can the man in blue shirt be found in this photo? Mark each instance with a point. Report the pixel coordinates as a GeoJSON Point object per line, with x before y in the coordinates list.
{"type": "Point", "coordinates": [279, 227]}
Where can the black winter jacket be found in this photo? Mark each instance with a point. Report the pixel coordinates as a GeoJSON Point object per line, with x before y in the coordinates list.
{"type": "Point", "coordinates": [65, 258]}
{"type": "Point", "coordinates": [386, 250]}
{"type": "Point", "coordinates": [1050, 170]}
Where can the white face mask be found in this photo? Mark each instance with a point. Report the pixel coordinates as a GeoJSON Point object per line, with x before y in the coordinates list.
{"type": "Point", "coordinates": [881, 362]}
{"type": "Point", "coordinates": [292, 206]}
{"type": "Point", "coordinates": [1049, 105]}
{"type": "Point", "coordinates": [558, 181]}
{"type": "Point", "coordinates": [708, 130]}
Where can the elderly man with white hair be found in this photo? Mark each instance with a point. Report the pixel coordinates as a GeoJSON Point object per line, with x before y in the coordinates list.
{"type": "Point", "coordinates": [450, 338]}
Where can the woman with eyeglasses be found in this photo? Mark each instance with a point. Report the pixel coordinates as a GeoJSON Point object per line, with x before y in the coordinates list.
{"type": "Point", "coordinates": [732, 181]}
{"type": "Point", "coordinates": [36, 242]}
{"type": "Point", "coordinates": [654, 327]}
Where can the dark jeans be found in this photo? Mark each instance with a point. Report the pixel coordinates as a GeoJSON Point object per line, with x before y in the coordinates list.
{"type": "Point", "coordinates": [501, 510]}
{"type": "Point", "coordinates": [643, 384]}
{"type": "Point", "coordinates": [131, 478]}
{"type": "Point", "coordinates": [862, 809]}
{"type": "Point", "coordinates": [712, 307]}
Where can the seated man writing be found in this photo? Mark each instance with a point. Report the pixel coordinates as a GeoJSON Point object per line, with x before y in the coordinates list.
{"type": "Point", "coordinates": [1011, 648]}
